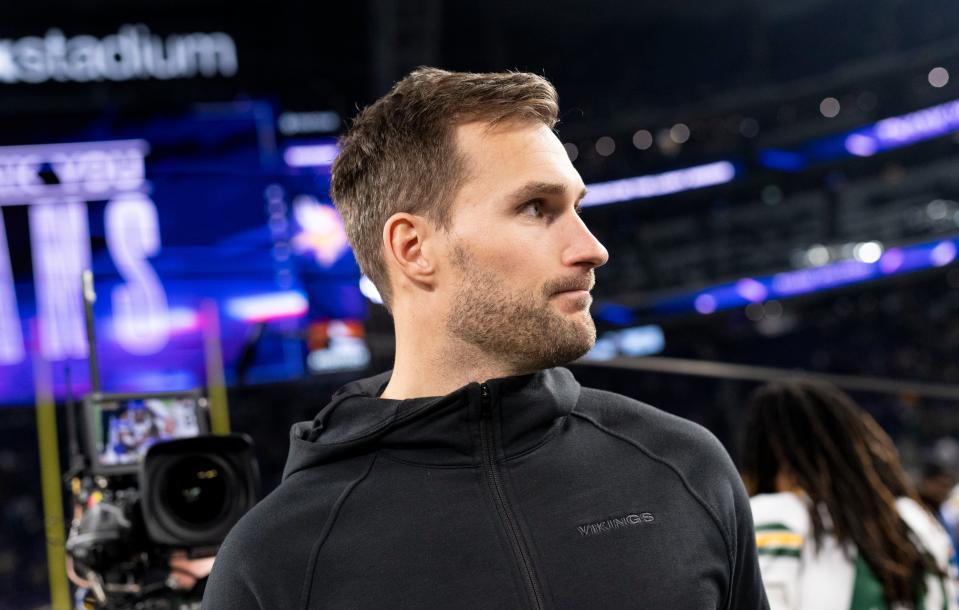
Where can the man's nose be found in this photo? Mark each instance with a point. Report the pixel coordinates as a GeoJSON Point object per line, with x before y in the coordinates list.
{"type": "Point", "coordinates": [584, 249]}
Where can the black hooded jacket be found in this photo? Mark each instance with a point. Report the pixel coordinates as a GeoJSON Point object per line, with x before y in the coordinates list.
{"type": "Point", "coordinates": [522, 492]}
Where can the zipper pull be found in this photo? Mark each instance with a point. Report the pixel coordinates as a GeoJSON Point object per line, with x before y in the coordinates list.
{"type": "Point", "coordinates": [484, 400]}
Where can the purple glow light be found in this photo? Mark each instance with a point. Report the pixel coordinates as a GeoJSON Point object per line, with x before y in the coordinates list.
{"type": "Point", "coordinates": [892, 260]}
{"type": "Point", "coordinates": [368, 288]}
{"type": "Point", "coordinates": [787, 284]}
{"type": "Point", "coordinates": [11, 337]}
{"type": "Point", "coordinates": [906, 129]}
{"type": "Point", "coordinates": [654, 185]}
{"type": "Point", "coordinates": [705, 304]}
{"type": "Point", "coordinates": [272, 306]}
{"type": "Point", "coordinates": [311, 155]}
{"type": "Point", "coordinates": [751, 290]}
{"type": "Point", "coordinates": [321, 230]}
{"type": "Point", "coordinates": [943, 254]}
{"type": "Point", "coordinates": [861, 145]}
{"type": "Point", "coordinates": [47, 151]}
{"type": "Point", "coordinates": [808, 280]}
{"type": "Point", "coordinates": [183, 320]}
{"type": "Point", "coordinates": [60, 243]}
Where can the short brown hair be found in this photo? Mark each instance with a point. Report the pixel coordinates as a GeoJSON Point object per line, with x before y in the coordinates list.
{"type": "Point", "coordinates": [399, 155]}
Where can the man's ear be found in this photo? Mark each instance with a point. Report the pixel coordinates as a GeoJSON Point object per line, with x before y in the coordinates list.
{"type": "Point", "coordinates": [406, 245]}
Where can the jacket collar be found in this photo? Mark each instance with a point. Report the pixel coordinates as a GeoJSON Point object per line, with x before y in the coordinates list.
{"type": "Point", "coordinates": [524, 411]}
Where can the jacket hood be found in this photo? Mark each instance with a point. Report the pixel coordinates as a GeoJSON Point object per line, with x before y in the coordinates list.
{"type": "Point", "coordinates": [439, 430]}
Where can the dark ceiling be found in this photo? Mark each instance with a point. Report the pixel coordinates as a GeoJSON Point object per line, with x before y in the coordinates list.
{"type": "Point", "coordinates": [607, 57]}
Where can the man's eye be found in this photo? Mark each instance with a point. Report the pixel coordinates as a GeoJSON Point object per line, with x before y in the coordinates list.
{"type": "Point", "coordinates": [533, 208]}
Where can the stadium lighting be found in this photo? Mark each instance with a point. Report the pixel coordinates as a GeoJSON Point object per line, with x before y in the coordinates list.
{"type": "Point", "coordinates": [368, 289]}
{"type": "Point", "coordinates": [943, 254]}
{"type": "Point", "coordinates": [311, 155]}
{"type": "Point", "coordinates": [904, 130]}
{"type": "Point", "coordinates": [938, 77]}
{"type": "Point", "coordinates": [654, 185]}
{"type": "Point", "coordinates": [642, 139]}
{"type": "Point", "coordinates": [271, 306]}
{"type": "Point", "coordinates": [868, 252]}
{"type": "Point", "coordinates": [829, 107]}
{"type": "Point", "coordinates": [679, 133]}
{"type": "Point", "coordinates": [751, 290]}
{"type": "Point", "coordinates": [705, 304]}
{"type": "Point", "coordinates": [875, 264]}
{"type": "Point", "coordinates": [605, 146]}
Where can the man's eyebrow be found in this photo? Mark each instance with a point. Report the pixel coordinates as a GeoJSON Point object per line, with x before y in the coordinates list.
{"type": "Point", "coordinates": [535, 189]}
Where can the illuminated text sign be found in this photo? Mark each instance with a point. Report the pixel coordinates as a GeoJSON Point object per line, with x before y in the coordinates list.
{"type": "Point", "coordinates": [60, 244]}
{"type": "Point", "coordinates": [133, 53]}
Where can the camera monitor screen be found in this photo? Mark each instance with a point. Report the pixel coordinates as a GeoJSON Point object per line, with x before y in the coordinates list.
{"type": "Point", "coordinates": [122, 427]}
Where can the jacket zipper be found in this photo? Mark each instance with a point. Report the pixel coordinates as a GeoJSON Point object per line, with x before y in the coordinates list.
{"type": "Point", "coordinates": [494, 479]}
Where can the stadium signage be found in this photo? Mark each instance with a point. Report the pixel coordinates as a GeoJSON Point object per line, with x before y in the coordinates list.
{"type": "Point", "coordinates": [60, 244]}
{"type": "Point", "coordinates": [133, 53]}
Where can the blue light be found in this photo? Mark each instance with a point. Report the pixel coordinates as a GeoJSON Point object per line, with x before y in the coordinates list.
{"type": "Point", "coordinates": [269, 306]}
{"type": "Point", "coordinates": [616, 314]}
{"type": "Point", "coordinates": [655, 185]}
{"type": "Point", "coordinates": [320, 154]}
{"type": "Point", "coordinates": [887, 134]}
{"type": "Point", "coordinates": [742, 292]}
{"type": "Point", "coordinates": [630, 342]}
{"type": "Point", "coordinates": [903, 130]}
{"type": "Point", "coordinates": [782, 160]}
{"type": "Point", "coordinates": [145, 205]}
{"type": "Point", "coordinates": [642, 341]}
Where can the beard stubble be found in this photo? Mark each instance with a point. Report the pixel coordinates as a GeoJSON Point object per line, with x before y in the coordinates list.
{"type": "Point", "coordinates": [521, 329]}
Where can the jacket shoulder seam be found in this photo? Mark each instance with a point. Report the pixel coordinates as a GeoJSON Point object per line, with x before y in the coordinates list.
{"type": "Point", "coordinates": [325, 532]}
{"type": "Point", "coordinates": [682, 477]}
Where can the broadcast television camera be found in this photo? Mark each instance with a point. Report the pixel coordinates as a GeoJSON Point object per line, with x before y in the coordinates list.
{"type": "Point", "coordinates": [152, 491]}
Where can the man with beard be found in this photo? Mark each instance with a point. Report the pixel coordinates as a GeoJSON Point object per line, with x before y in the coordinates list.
{"type": "Point", "coordinates": [476, 473]}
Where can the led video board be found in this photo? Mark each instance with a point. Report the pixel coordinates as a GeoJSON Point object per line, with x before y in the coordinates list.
{"type": "Point", "coordinates": [168, 211]}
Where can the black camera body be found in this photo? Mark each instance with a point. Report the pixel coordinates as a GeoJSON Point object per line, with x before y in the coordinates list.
{"type": "Point", "coordinates": [152, 483]}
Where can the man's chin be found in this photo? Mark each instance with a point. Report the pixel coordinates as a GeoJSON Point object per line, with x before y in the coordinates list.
{"type": "Point", "coordinates": [572, 303]}
{"type": "Point", "coordinates": [579, 341]}
{"type": "Point", "coordinates": [586, 326]}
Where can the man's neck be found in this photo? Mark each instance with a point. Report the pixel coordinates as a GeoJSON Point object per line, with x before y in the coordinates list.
{"type": "Point", "coordinates": [438, 366]}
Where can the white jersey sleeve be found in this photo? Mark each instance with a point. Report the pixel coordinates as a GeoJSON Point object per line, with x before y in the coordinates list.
{"type": "Point", "coordinates": [782, 526]}
{"type": "Point", "coordinates": [798, 575]}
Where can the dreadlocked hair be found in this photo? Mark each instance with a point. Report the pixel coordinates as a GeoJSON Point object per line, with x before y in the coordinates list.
{"type": "Point", "coordinates": [840, 457]}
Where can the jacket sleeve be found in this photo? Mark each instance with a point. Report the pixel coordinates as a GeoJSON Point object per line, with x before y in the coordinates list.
{"type": "Point", "coordinates": [748, 590]}
{"type": "Point", "coordinates": [228, 587]}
